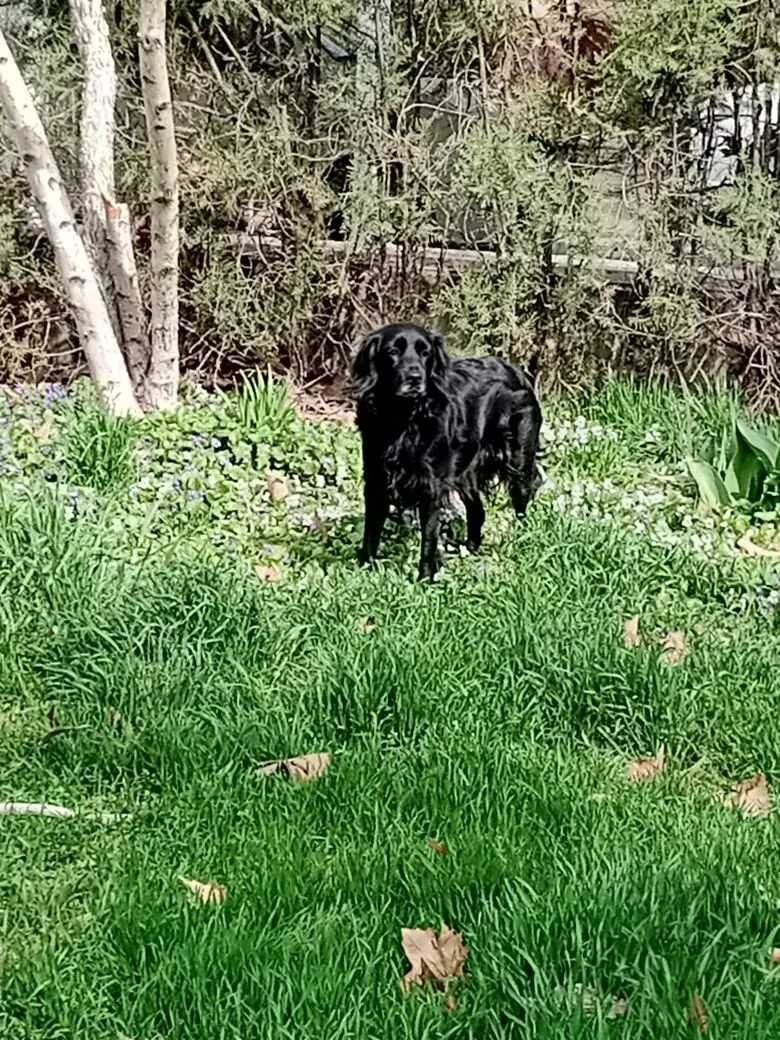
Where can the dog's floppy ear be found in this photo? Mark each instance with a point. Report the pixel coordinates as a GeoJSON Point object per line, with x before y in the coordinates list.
{"type": "Point", "coordinates": [439, 360]}
{"type": "Point", "coordinates": [364, 373]}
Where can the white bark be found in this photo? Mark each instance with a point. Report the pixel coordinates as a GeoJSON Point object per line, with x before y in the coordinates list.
{"type": "Point", "coordinates": [121, 263]}
{"type": "Point", "coordinates": [83, 292]}
{"type": "Point", "coordinates": [163, 375]}
{"type": "Point", "coordinates": [106, 222]}
{"type": "Point", "coordinates": [96, 131]}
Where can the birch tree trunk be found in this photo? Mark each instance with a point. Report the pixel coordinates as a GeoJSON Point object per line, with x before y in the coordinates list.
{"type": "Point", "coordinates": [163, 375]}
{"type": "Point", "coordinates": [82, 289]}
{"type": "Point", "coordinates": [124, 275]}
{"type": "Point", "coordinates": [96, 131]}
{"type": "Point", "coordinates": [106, 222]}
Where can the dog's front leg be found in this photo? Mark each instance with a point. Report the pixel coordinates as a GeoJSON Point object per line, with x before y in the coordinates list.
{"type": "Point", "coordinates": [376, 508]}
{"type": "Point", "coordinates": [430, 517]}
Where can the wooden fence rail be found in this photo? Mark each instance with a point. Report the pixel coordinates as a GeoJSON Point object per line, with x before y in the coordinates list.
{"type": "Point", "coordinates": [437, 261]}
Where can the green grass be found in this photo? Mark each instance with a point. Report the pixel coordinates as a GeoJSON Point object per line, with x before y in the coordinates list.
{"type": "Point", "coordinates": [494, 711]}
{"type": "Point", "coordinates": [99, 450]}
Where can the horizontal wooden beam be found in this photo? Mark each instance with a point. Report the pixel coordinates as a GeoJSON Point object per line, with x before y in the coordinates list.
{"type": "Point", "coordinates": [437, 261]}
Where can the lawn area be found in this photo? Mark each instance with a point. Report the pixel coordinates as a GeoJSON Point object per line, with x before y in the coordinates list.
{"type": "Point", "coordinates": [170, 618]}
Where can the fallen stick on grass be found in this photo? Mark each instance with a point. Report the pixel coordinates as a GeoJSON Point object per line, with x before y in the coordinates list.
{"type": "Point", "coordinates": [56, 811]}
{"type": "Point", "coordinates": [35, 809]}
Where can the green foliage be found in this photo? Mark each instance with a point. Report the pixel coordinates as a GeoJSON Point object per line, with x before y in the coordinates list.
{"type": "Point", "coordinates": [487, 125]}
{"type": "Point", "coordinates": [529, 205]}
{"type": "Point", "coordinates": [99, 448]}
{"type": "Point", "coordinates": [744, 218]}
{"type": "Point", "coordinates": [264, 406]}
{"type": "Point", "coordinates": [744, 472]}
{"type": "Point", "coordinates": [666, 57]}
{"type": "Point", "coordinates": [489, 311]}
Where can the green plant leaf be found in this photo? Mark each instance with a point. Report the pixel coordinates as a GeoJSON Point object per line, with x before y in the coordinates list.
{"type": "Point", "coordinates": [712, 491]}
{"type": "Point", "coordinates": [767, 449]}
{"type": "Point", "coordinates": [746, 472]}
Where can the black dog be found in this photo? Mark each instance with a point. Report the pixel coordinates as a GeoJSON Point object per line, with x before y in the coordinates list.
{"type": "Point", "coordinates": [431, 425]}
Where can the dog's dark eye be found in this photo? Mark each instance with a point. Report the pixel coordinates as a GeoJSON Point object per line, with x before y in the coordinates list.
{"type": "Point", "coordinates": [423, 348]}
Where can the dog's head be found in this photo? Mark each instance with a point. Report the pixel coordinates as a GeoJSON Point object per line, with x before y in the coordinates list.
{"type": "Point", "coordinates": [401, 362]}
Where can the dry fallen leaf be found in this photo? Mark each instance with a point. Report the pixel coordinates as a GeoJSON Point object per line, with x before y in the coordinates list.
{"type": "Point", "coordinates": [367, 624]}
{"type": "Point", "coordinates": [643, 769]}
{"type": "Point", "coordinates": [631, 635]}
{"type": "Point", "coordinates": [43, 433]}
{"type": "Point", "coordinates": [438, 847]}
{"type": "Point", "coordinates": [114, 720]}
{"type": "Point", "coordinates": [268, 572]}
{"type": "Point", "coordinates": [774, 955]}
{"type": "Point", "coordinates": [206, 891]}
{"type": "Point", "coordinates": [450, 1002]}
{"type": "Point", "coordinates": [698, 1014]}
{"type": "Point", "coordinates": [277, 487]}
{"type": "Point", "coordinates": [301, 770]}
{"type": "Point", "coordinates": [619, 1008]}
{"type": "Point", "coordinates": [434, 958]}
{"type": "Point", "coordinates": [318, 525]}
{"type": "Point", "coordinates": [749, 548]}
{"type": "Point", "coordinates": [675, 648]}
{"type": "Point", "coordinates": [752, 797]}
{"type": "Point", "coordinates": [587, 998]}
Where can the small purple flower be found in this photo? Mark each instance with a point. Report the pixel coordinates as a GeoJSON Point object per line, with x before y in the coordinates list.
{"type": "Point", "coordinates": [54, 392]}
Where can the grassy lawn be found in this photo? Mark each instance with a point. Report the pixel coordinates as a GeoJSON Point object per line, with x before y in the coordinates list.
{"type": "Point", "coordinates": [147, 665]}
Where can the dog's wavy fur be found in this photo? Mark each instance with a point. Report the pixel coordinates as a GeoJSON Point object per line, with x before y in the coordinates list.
{"type": "Point", "coordinates": [431, 426]}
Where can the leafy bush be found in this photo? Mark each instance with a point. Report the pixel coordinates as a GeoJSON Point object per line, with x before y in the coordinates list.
{"type": "Point", "coordinates": [743, 473]}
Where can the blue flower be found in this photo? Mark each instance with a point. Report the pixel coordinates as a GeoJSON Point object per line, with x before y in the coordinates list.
{"type": "Point", "coordinates": [54, 392]}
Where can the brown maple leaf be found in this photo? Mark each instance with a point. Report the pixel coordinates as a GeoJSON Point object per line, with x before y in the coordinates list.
{"type": "Point", "coordinates": [438, 847]}
{"type": "Point", "coordinates": [750, 548]}
{"type": "Point", "coordinates": [268, 572]}
{"type": "Point", "coordinates": [675, 648]}
{"type": "Point", "coordinates": [631, 636]}
{"type": "Point", "coordinates": [434, 959]}
{"type": "Point", "coordinates": [114, 720]}
{"type": "Point", "coordinates": [643, 769]}
{"type": "Point", "coordinates": [277, 487]}
{"type": "Point", "coordinates": [43, 433]}
{"type": "Point", "coordinates": [206, 891]}
{"type": "Point", "coordinates": [301, 769]}
{"type": "Point", "coordinates": [619, 1009]}
{"type": "Point", "coordinates": [699, 1014]}
{"type": "Point", "coordinates": [753, 797]}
